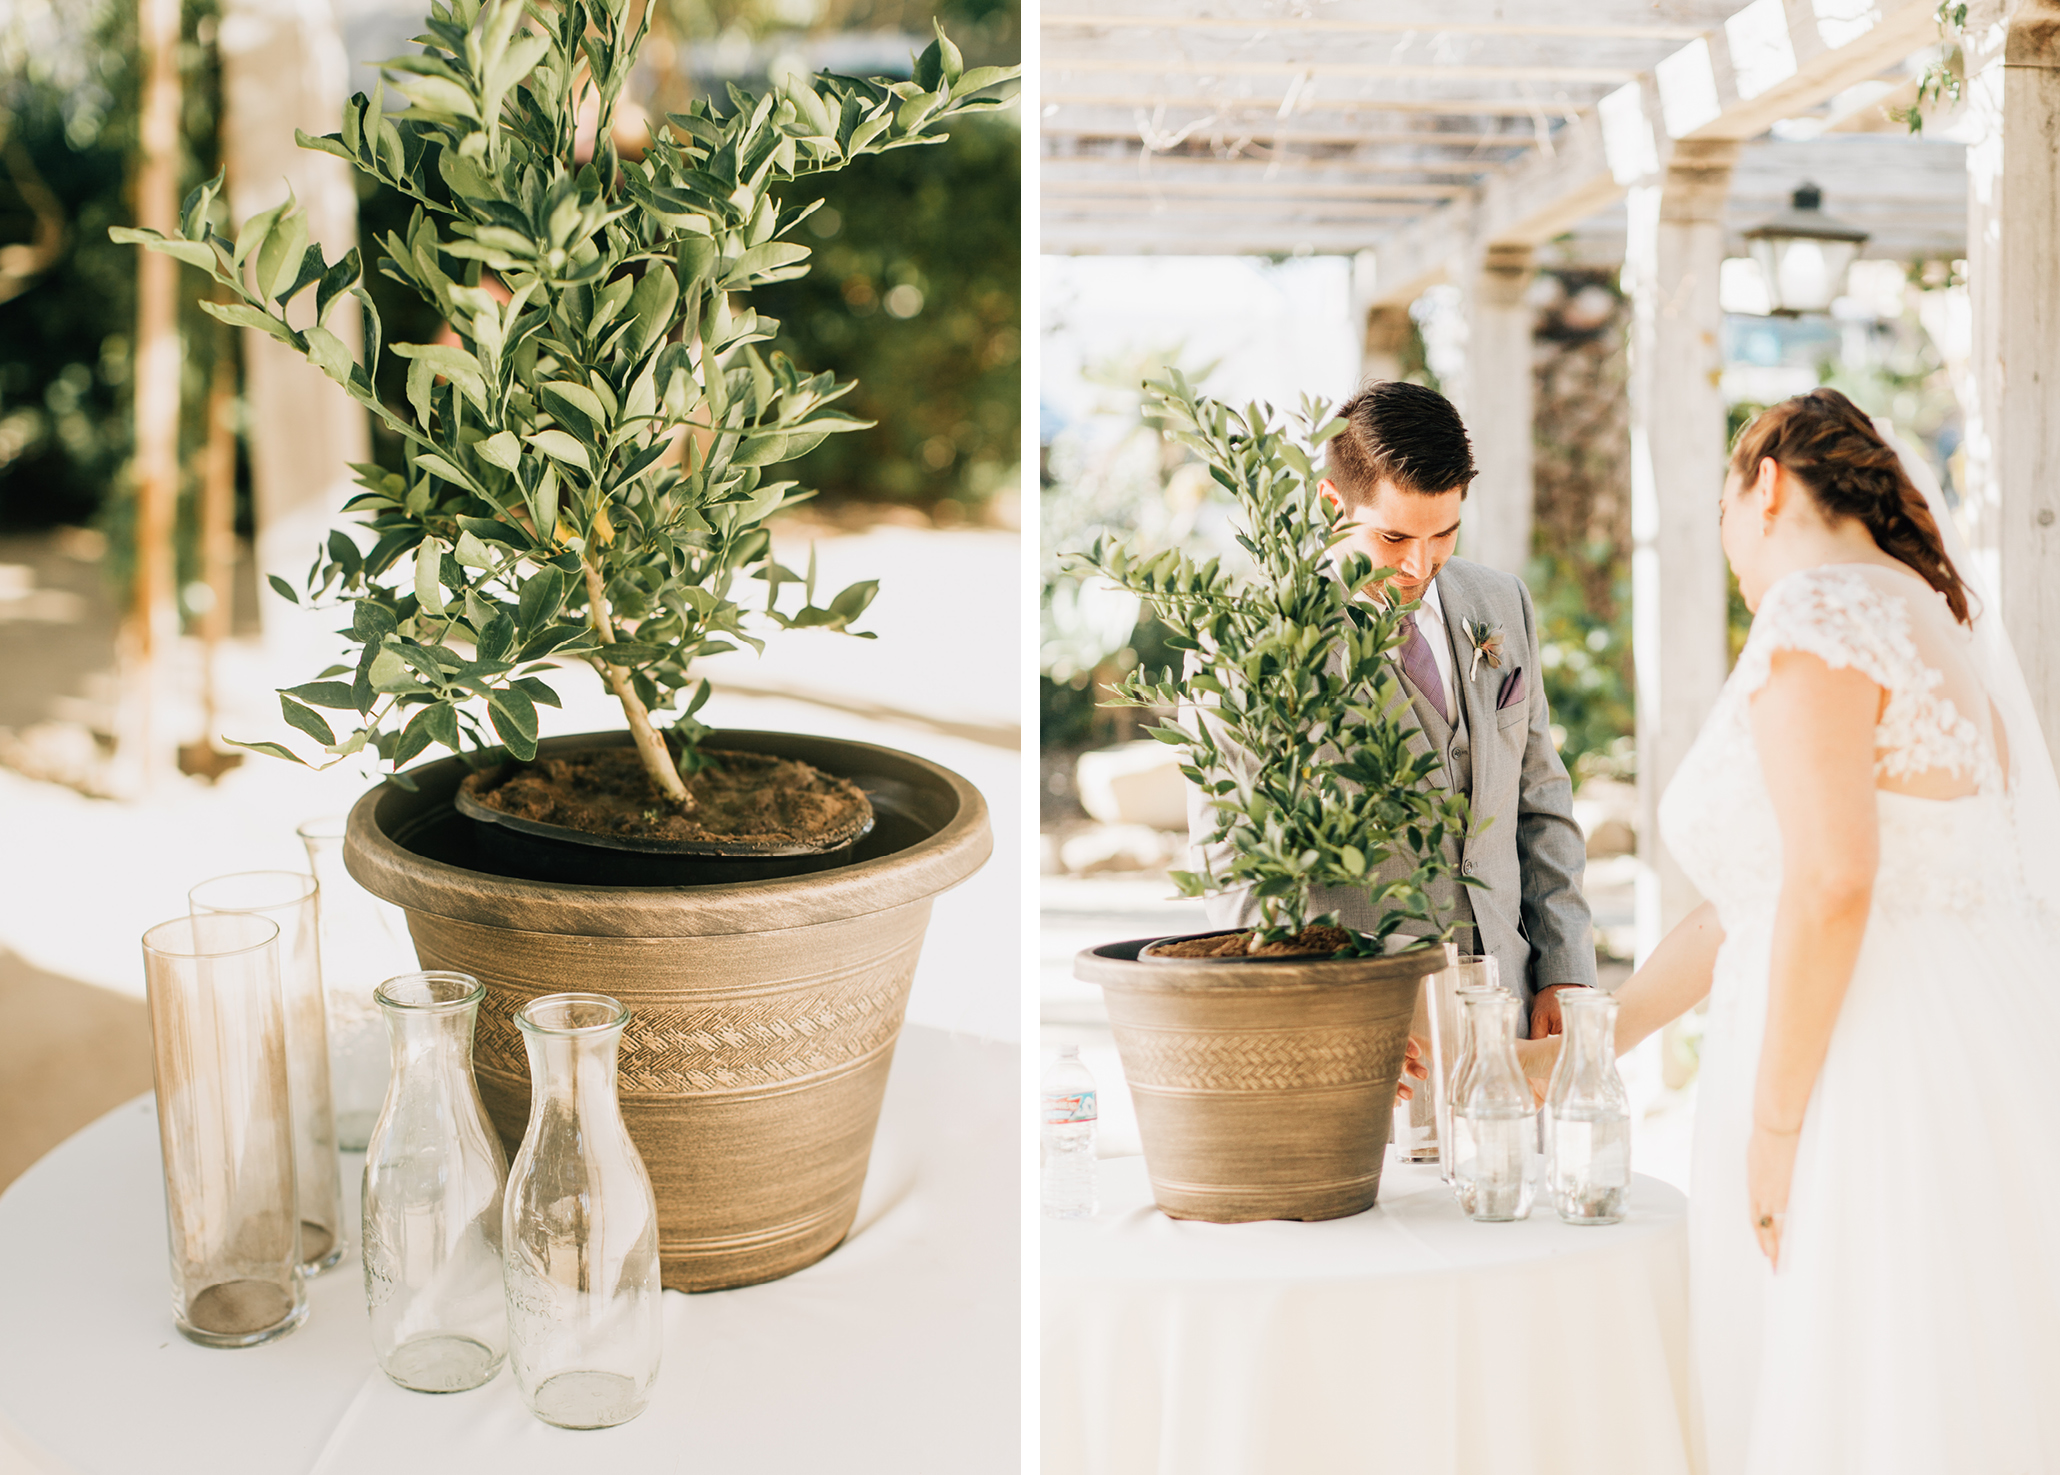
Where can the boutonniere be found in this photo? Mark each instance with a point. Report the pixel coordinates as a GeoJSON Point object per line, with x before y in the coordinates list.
{"type": "Point", "coordinates": [1486, 640]}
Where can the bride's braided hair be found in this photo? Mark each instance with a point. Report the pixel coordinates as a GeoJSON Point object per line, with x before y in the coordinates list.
{"type": "Point", "coordinates": [1826, 442]}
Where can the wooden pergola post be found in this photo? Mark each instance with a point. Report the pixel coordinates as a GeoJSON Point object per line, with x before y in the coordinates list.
{"type": "Point", "coordinates": [1497, 527]}
{"type": "Point", "coordinates": [152, 625]}
{"type": "Point", "coordinates": [2013, 276]}
{"type": "Point", "coordinates": [1673, 252]}
{"type": "Point", "coordinates": [283, 67]}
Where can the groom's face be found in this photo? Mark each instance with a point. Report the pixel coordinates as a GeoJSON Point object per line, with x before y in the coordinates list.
{"type": "Point", "coordinates": [1411, 532]}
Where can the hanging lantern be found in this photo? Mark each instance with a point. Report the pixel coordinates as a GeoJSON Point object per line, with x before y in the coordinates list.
{"type": "Point", "coordinates": [1803, 254]}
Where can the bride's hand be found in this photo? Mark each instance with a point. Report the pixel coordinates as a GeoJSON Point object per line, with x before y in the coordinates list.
{"type": "Point", "coordinates": [1537, 1058]}
{"type": "Point", "coordinates": [1769, 1165]}
{"type": "Point", "coordinates": [1413, 1068]}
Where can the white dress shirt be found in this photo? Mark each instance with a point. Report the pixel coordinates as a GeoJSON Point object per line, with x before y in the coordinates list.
{"type": "Point", "coordinates": [1430, 619]}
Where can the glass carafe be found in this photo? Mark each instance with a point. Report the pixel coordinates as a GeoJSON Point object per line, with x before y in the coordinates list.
{"type": "Point", "coordinates": [363, 940]}
{"type": "Point", "coordinates": [580, 1230]}
{"type": "Point", "coordinates": [1467, 973]}
{"type": "Point", "coordinates": [1588, 1115]}
{"type": "Point", "coordinates": [434, 1178]}
{"type": "Point", "coordinates": [1454, 1126]}
{"type": "Point", "coordinates": [1493, 1124]}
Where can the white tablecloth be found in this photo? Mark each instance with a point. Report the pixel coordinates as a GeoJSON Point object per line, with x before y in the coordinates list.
{"type": "Point", "coordinates": [1405, 1339]}
{"type": "Point", "coordinates": [898, 1353]}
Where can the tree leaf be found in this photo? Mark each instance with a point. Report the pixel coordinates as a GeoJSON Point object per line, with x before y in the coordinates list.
{"type": "Point", "coordinates": [307, 720]}
{"type": "Point", "coordinates": [562, 447]}
{"type": "Point", "coordinates": [326, 352]}
{"type": "Point", "coordinates": [270, 750]}
{"type": "Point", "coordinates": [428, 564]}
{"type": "Point", "coordinates": [501, 449]}
{"type": "Point", "coordinates": [283, 589]}
{"type": "Point", "coordinates": [333, 694]}
{"type": "Point", "coordinates": [473, 553]}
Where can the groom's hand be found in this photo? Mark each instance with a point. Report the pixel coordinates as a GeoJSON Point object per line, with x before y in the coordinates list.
{"type": "Point", "coordinates": [1545, 1018]}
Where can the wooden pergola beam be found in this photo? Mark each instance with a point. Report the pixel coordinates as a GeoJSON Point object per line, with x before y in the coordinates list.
{"type": "Point", "coordinates": [1178, 66]}
{"type": "Point", "coordinates": [1233, 191]}
{"type": "Point", "coordinates": [1733, 84]}
{"type": "Point", "coordinates": [1206, 103]}
{"type": "Point", "coordinates": [1342, 168]}
{"type": "Point", "coordinates": [1675, 20]}
{"type": "Point", "coordinates": [1121, 125]}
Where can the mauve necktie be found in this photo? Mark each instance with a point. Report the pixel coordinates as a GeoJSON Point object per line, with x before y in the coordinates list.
{"type": "Point", "coordinates": [1422, 667]}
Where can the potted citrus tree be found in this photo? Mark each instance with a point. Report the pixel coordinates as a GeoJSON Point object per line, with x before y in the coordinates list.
{"type": "Point", "coordinates": [591, 461]}
{"type": "Point", "coordinates": [1264, 1059]}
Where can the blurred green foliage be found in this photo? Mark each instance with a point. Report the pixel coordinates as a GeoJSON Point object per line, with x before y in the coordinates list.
{"type": "Point", "coordinates": [914, 293]}
{"type": "Point", "coordinates": [943, 222]}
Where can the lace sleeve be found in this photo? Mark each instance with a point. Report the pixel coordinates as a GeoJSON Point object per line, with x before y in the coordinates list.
{"type": "Point", "coordinates": [1837, 615]}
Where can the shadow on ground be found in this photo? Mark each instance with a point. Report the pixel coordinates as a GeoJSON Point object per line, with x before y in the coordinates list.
{"type": "Point", "coordinates": [71, 1052]}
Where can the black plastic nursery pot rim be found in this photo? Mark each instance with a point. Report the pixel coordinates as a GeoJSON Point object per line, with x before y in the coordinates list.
{"type": "Point", "coordinates": [414, 848]}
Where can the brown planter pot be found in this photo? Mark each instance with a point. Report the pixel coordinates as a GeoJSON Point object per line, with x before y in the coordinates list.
{"type": "Point", "coordinates": [763, 1013]}
{"type": "Point", "coordinates": [1264, 1086]}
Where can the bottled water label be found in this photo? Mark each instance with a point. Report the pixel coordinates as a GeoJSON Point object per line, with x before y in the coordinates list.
{"type": "Point", "coordinates": [1061, 1107]}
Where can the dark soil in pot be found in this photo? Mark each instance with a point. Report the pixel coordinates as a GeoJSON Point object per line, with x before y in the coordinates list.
{"type": "Point", "coordinates": [749, 800]}
{"type": "Point", "coordinates": [1310, 942]}
{"type": "Point", "coordinates": [605, 779]}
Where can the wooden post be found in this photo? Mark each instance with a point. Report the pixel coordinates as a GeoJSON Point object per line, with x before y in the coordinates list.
{"type": "Point", "coordinates": [153, 619]}
{"type": "Point", "coordinates": [1497, 526]}
{"type": "Point", "coordinates": [2013, 275]}
{"type": "Point", "coordinates": [1384, 326]}
{"type": "Point", "coordinates": [1673, 252]}
{"type": "Point", "coordinates": [283, 67]}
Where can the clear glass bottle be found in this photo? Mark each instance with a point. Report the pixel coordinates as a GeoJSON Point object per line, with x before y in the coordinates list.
{"type": "Point", "coordinates": [287, 899]}
{"type": "Point", "coordinates": [363, 940]}
{"type": "Point", "coordinates": [1069, 1119]}
{"type": "Point", "coordinates": [225, 1122]}
{"type": "Point", "coordinates": [434, 1179]}
{"type": "Point", "coordinates": [1459, 1027]}
{"type": "Point", "coordinates": [1588, 1115]}
{"type": "Point", "coordinates": [1493, 1121]}
{"type": "Point", "coordinates": [580, 1229]}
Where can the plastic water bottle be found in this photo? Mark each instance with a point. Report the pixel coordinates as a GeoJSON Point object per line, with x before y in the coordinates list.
{"type": "Point", "coordinates": [1069, 1118]}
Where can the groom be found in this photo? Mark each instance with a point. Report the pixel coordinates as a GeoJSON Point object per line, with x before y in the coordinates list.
{"type": "Point", "coordinates": [1398, 472]}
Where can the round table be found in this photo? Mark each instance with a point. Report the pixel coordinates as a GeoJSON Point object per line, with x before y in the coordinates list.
{"type": "Point", "coordinates": [900, 1352]}
{"type": "Point", "coordinates": [1403, 1339]}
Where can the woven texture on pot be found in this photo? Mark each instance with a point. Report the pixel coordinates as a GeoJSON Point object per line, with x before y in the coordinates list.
{"type": "Point", "coordinates": [1264, 1088]}
{"type": "Point", "coordinates": [751, 1072]}
{"type": "Point", "coordinates": [763, 1014]}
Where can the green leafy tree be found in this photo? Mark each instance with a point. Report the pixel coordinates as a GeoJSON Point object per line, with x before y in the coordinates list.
{"type": "Point", "coordinates": [1296, 734]}
{"type": "Point", "coordinates": [589, 466]}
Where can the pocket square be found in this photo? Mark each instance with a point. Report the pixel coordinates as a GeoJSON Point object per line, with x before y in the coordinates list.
{"type": "Point", "coordinates": [1512, 690]}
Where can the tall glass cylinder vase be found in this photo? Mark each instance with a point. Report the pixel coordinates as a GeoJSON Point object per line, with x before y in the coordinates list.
{"type": "Point", "coordinates": [1470, 972]}
{"type": "Point", "coordinates": [287, 899]}
{"type": "Point", "coordinates": [363, 940]}
{"type": "Point", "coordinates": [1588, 1115]}
{"type": "Point", "coordinates": [580, 1231]}
{"type": "Point", "coordinates": [434, 1180]}
{"type": "Point", "coordinates": [1493, 1122]}
{"type": "Point", "coordinates": [225, 1123]}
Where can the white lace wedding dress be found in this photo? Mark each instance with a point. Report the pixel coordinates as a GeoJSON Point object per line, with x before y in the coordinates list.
{"type": "Point", "coordinates": [1914, 1325]}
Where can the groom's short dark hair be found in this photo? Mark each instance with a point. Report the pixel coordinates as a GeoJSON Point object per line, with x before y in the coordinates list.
{"type": "Point", "coordinates": [1403, 433]}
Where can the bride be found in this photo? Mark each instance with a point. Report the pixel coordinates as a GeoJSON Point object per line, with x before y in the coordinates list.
{"type": "Point", "coordinates": [1874, 1230]}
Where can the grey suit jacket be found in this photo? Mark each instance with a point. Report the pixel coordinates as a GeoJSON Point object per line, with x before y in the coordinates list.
{"type": "Point", "coordinates": [1532, 916]}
